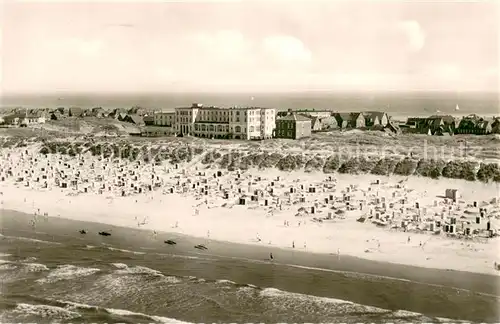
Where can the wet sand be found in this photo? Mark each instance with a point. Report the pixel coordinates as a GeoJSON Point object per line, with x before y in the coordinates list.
{"type": "Point", "coordinates": [60, 229]}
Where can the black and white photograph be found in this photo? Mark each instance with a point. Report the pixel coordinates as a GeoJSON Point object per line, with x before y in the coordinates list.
{"type": "Point", "coordinates": [249, 161]}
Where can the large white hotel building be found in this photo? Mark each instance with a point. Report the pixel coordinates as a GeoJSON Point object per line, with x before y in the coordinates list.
{"type": "Point", "coordinates": [235, 122]}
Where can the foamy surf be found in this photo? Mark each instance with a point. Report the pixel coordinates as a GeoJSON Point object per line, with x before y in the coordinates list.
{"type": "Point", "coordinates": [125, 251]}
{"type": "Point", "coordinates": [22, 266]}
{"type": "Point", "coordinates": [158, 319]}
{"type": "Point", "coordinates": [67, 272]}
{"type": "Point", "coordinates": [226, 282]}
{"type": "Point", "coordinates": [68, 310]}
{"type": "Point", "coordinates": [294, 300]}
{"type": "Point", "coordinates": [44, 311]}
{"type": "Point", "coordinates": [29, 239]}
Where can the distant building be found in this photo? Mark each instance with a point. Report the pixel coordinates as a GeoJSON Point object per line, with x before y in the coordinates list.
{"type": "Point", "coordinates": [374, 118]}
{"type": "Point", "coordinates": [56, 115]}
{"type": "Point", "coordinates": [474, 124]}
{"type": "Point", "coordinates": [98, 112]}
{"type": "Point", "coordinates": [235, 122]}
{"type": "Point", "coordinates": [323, 123]}
{"type": "Point", "coordinates": [157, 131]}
{"type": "Point", "coordinates": [63, 110]}
{"type": "Point", "coordinates": [185, 118]}
{"type": "Point", "coordinates": [161, 118]}
{"type": "Point", "coordinates": [26, 118]}
{"type": "Point", "coordinates": [136, 110]}
{"type": "Point", "coordinates": [33, 117]}
{"type": "Point", "coordinates": [13, 119]}
{"type": "Point", "coordinates": [433, 125]}
{"type": "Point", "coordinates": [76, 112]}
{"type": "Point", "coordinates": [495, 126]}
{"type": "Point", "coordinates": [350, 120]}
{"type": "Point", "coordinates": [133, 119]}
{"type": "Point", "coordinates": [306, 112]}
{"type": "Point", "coordinates": [149, 120]}
{"type": "Point", "coordinates": [293, 126]}
{"type": "Point", "coordinates": [115, 113]}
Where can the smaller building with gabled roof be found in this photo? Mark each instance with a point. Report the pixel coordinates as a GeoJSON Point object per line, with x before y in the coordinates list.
{"type": "Point", "coordinates": [293, 126]}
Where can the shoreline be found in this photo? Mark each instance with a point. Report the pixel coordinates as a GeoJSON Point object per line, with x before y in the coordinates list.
{"type": "Point", "coordinates": [141, 242]}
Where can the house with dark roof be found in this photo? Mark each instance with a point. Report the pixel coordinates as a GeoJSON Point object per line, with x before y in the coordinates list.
{"type": "Point", "coordinates": [116, 113]}
{"type": "Point", "coordinates": [149, 120]}
{"type": "Point", "coordinates": [474, 124]}
{"type": "Point", "coordinates": [350, 120]}
{"type": "Point", "coordinates": [76, 112]}
{"type": "Point", "coordinates": [56, 115]}
{"type": "Point", "coordinates": [13, 119]}
{"type": "Point", "coordinates": [495, 125]}
{"type": "Point", "coordinates": [373, 118]}
{"type": "Point", "coordinates": [97, 112]}
{"type": "Point", "coordinates": [293, 126]}
{"type": "Point", "coordinates": [122, 116]}
{"type": "Point", "coordinates": [137, 110]}
{"type": "Point", "coordinates": [433, 125]}
{"type": "Point", "coordinates": [133, 119]}
{"type": "Point", "coordinates": [323, 123]}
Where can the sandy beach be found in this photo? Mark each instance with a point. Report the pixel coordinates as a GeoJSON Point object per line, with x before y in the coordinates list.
{"type": "Point", "coordinates": [371, 217]}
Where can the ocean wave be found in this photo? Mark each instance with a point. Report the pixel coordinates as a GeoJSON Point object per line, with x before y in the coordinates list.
{"type": "Point", "coordinates": [6, 266]}
{"type": "Point", "coordinates": [225, 281]}
{"type": "Point", "coordinates": [339, 308]}
{"type": "Point", "coordinates": [45, 311]}
{"type": "Point", "coordinates": [22, 266]}
{"type": "Point", "coordinates": [35, 267]}
{"type": "Point", "coordinates": [124, 251]}
{"type": "Point", "coordinates": [29, 239]}
{"type": "Point", "coordinates": [66, 310]}
{"type": "Point", "coordinates": [360, 275]}
{"type": "Point", "coordinates": [293, 300]}
{"type": "Point", "coordinates": [2, 255]}
{"type": "Point", "coordinates": [67, 272]}
{"type": "Point", "coordinates": [158, 319]}
{"type": "Point", "coordinates": [189, 257]}
{"type": "Point", "coordinates": [30, 259]}
{"type": "Point", "coordinates": [124, 269]}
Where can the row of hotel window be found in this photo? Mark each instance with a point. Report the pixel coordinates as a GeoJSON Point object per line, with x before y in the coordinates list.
{"type": "Point", "coordinates": [219, 119]}
{"type": "Point", "coordinates": [223, 112]}
{"type": "Point", "coordinates": [223, 128]}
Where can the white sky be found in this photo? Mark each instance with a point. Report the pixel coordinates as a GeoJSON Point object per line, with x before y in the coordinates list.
{"type": "Point", "coordinates": [249, 45]}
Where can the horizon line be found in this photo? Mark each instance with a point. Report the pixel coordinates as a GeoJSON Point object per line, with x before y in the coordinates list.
{"type": "Point", "coordinates": [246, 92]}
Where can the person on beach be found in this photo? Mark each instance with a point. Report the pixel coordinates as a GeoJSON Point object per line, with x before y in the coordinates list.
{"type": "Point", "coordinates": [408, 239]}
{"type": "Point", "coordinates": [338, 254]}
{"type": "Point", "coordinates": [293, 244]}
{"type": "Point", "coordinates": [271, 256]}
